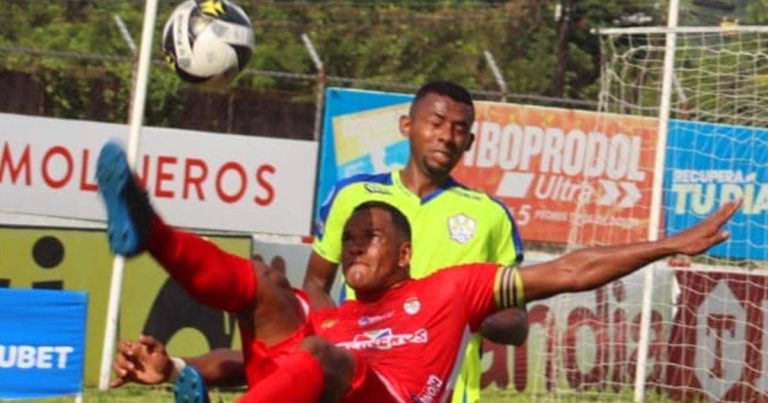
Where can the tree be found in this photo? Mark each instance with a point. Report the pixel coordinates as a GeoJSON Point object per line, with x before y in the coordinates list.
{"type": "Point", "coordinates": [74, 51]}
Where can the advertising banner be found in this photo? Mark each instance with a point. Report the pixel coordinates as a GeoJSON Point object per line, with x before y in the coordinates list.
{"type": "Point", "coordinates": [563, 170]}
{"type": "Point", "coordinates": [42, 343]}
{"type": "Point", "coordinates": [584, 341]}
{"type": "Point", "coordinates": [709, 164]}
{"type": "Point", "coordinates": [563, 173]}
{"type": "Point", "coordinates": [196, 179]}
{"type": "Point", "coordinates": [360, 135]}
{"type": "Point", "coordinates": [40, 258]}
{"type": "Point", "coordinates": [718, 349]}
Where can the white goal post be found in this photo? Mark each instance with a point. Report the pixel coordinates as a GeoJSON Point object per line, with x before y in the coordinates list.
{"type": "Point", "coordinates": [700, 329]}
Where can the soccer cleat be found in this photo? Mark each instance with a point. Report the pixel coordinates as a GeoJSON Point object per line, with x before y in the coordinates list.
{"type": "Point", "coordinates": [190, 387]}
{"type": "Point", "coordinates": [129, 215]}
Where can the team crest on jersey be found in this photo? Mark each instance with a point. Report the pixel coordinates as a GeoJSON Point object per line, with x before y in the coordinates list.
{"type": "Point", "coordinates": [412, 306]}
{"type": "Point", "coordinates": [461, 227]}
{"type": "Point", "coordinates": [376, 188]}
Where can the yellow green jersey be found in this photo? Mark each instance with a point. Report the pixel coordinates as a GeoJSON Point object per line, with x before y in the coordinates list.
{"type": "Point", "coordinates": [450, 226]}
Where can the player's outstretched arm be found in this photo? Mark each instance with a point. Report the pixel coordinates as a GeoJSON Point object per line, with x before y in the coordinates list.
{"type": "Point", "coordinates": [147, 362]}
{"type": "Point", "coordinates": [220, 367]}
{"type": "Point", "coordinates": [590, 268]}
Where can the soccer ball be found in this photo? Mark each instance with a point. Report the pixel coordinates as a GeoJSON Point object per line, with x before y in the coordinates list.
{"type": "Point", "coordinates": [208, 41]}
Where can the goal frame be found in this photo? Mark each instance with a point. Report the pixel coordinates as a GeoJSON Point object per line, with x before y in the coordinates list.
{"type": "Point", "coordinates": [656, 208]}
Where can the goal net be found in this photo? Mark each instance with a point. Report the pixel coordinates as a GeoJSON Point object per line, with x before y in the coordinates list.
{"type": "Point", "coordinates": [708, 332]}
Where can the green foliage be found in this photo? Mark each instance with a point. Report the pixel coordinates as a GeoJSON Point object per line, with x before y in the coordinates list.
{"type": "Point", "coordinates": [757, 13]}
{"type": "Point", "coordinates": [85, 64]}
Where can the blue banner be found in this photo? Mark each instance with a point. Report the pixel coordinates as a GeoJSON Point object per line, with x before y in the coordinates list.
{"type": "Point", "coordinates": [360, 135]}
{"type": "Point", "coordinates": [42, 340]}
{"type": "Point", "coordinates": [709, 164]}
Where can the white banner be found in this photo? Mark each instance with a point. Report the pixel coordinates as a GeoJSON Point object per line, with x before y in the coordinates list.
{"type": "Point", "coordinates": [195, 179]}
{"type": "Point", "coordinates": [291, 256]}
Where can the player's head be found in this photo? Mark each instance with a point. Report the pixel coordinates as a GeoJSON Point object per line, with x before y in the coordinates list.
{"type": "Point", "coordinates": [376, 248]}
{"type": "Point", "coordinates": [443, 88]}
{"type": "Point", "coordinates": [439, 127]}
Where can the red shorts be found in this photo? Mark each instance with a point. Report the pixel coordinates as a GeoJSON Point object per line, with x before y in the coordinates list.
{"type": "Point", "coordinates": [261, 361]}
{"type": "Point", "coordinates": [368, 386]}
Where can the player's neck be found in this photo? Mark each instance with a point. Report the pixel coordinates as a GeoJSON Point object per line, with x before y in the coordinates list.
{"type": "Point", "coordinates": [420, 183]}
{"type": "Point", "coordinates": [376, 295]}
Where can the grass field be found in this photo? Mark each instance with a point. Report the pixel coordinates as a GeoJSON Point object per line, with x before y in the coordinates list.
{"type": "Point", "coordinates": [137, 394]}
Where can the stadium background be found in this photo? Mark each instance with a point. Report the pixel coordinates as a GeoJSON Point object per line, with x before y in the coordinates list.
{"type": "Point", "coordinates": [69, 60]}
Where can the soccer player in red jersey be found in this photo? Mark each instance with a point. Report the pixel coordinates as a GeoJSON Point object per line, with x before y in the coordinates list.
{"type": "Point", "coordinates": [399, 341]}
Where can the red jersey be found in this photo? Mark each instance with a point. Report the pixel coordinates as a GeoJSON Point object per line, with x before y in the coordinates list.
{"type": "Point", "coordinates": [414, 335]}
{"type": "Point", "coordinates": [261, 360]}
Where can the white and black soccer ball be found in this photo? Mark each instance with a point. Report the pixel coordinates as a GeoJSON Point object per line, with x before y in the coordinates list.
{"type": "Point", "coordinates": [208, 41]}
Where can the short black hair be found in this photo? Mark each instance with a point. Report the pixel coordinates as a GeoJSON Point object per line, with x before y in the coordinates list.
{"type": "Point", "coordinates": [399, 220]}
{"type": "Point", "coordinates": [445, 88]}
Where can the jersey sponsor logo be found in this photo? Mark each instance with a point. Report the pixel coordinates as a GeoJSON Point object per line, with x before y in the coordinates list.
{"type": "Point", "coordinates": [461, 227]}
{"type": "Point", "coordinates": [431, 390]}
{"type": "Point", "coordinates": [376, 188]}
{"type": "Point", "coordinates": [384, 339]}
{"type": "Point", "coordinates": [412, 306]}
{"type": "Point", "coordinates": [370, 320]}
{"type": "Point", "coordinates": [328, 323]}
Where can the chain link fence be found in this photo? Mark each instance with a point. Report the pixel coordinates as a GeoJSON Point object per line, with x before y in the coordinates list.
{"type": "Point", "coordinates": [74, 60]}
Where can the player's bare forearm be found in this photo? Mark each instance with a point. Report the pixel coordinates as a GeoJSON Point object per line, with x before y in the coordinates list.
{"type": "Point", "coordinates": [220, 367]}
{"type": "Point", "coordinates": [509, 327]}
{"type": "Point", "coordinates": [146, 361]}
{"type": "Point", "coordinates": [590, 268]}
{"type": "Point", "coordinates": [318, 281]}
{"type": "Point", "coordinates": [319, 297]}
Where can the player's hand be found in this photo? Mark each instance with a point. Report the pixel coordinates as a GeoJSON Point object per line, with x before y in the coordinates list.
{"type": "Point", "coordinates": [143, 361]}
{"type": "Point", "coordinates": [707, 233]}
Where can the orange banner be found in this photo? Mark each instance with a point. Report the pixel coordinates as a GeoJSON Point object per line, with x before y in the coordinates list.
{"type": "Point", "coordinates": [567, 175]}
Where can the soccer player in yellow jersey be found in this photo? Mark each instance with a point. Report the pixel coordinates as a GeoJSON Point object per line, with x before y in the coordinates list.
{"type": "Point", "coordinates": [451, 223]}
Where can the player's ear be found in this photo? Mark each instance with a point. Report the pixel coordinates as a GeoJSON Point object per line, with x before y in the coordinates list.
{"type": "Point", "coordinates": [405, 125]}
{"type": "Point", "coordinates": [404, 258]}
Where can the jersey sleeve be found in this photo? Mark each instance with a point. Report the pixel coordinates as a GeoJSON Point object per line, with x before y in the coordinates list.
{"type": "Point", "coordinates": [508, 248]}
{"type": "Point", "coordinates": [484, 289]}
{"type": "Point", "coordinates": [330, 225]}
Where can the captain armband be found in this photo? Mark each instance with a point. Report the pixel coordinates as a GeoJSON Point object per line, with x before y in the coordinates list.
{"type": "Point", "coordinates": [508, 288]}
